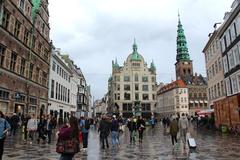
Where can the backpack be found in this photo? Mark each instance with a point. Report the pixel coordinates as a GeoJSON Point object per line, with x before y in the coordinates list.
{"type": "Point", "coordinates": [87, 125]}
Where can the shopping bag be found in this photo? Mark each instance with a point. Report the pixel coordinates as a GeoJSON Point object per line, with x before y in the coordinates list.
{"type": "Point", "coordinates": [80, 137]}
{"type": "Point", "coordinates": [192, 143]}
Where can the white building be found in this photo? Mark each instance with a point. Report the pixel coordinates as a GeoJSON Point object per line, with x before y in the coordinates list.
{"type": "Point", "coordinates": [172, 99]}
{"type": "Point", "coordinates": [59, 104]}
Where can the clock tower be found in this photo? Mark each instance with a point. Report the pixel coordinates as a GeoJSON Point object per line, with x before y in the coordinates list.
{"type": "Point", "coordinates": [183, 65]}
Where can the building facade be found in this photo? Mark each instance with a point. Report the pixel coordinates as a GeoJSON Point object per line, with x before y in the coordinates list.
{"type": "Point", "coordinates": [132, 87]}
{"type": "Point", "coordinates": [227, 111]}
{"type": "Point", "coordinates": [214, 69]}
{"type": "Point", "coordinates": [172, 99]}
{"type": "Point", "coordinates": [196, 84]}
{"type": "Point", "coordinates": [59, 102]}
{"type": "Point", "coordinates": [24, 56]}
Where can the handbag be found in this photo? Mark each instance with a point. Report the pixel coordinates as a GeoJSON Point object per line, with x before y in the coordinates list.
{"type": "Point", "coordinates": [70, 146]}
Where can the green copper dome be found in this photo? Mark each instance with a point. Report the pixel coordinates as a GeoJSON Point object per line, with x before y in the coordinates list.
{"type": "Point", "coordinates": [135, 56]}
{"type": "Point", "coordinates": [182, 49]}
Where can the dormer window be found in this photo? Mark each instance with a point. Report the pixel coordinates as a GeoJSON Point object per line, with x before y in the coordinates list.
{"type": "Point", "coordinates": [22, 4]}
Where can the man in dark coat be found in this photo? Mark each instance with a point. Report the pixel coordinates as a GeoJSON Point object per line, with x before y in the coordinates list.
{"type": "Point", "coordinates": [14, 123]}
{"type": "Point", "coordinates": [132, 126]}
{"type": "Point", "coordinates": [104, 129]}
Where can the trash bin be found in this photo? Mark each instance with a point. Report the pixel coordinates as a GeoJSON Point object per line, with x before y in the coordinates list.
{"type": "Point", "coordinates": [224, 129]}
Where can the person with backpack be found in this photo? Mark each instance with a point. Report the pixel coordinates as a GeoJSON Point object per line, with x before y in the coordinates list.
{"type": "Point", "coordinates": [4, 128]}
{"type": "Point", "coordinates": [84, 126]}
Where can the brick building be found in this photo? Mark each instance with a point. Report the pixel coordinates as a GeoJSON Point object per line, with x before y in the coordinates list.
{"type": "Point", "coordinates": [24, 56]}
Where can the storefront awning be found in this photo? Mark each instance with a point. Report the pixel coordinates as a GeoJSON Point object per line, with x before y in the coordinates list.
{"type": "Point", "coordinates": [200, 101]}
{"type": "Point", "coordinates": [196, 101]}
{"type": "Point", "coordinates": [191, 101]}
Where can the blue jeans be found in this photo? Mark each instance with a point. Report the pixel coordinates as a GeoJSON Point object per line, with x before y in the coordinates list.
{"type": "Point", "coordinates": [115, 140]}
{"type": "Point", "coordinates": [66, 157]}
{"type": "Point", "coordinates": [85, 140]}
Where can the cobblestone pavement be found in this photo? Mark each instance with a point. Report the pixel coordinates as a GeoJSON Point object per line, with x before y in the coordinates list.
{"type": "Point", "coordinates": [156, 146]}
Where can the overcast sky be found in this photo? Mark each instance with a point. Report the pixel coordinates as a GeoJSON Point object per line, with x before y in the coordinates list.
{"type": "Point", "coordinates": [94, 32]}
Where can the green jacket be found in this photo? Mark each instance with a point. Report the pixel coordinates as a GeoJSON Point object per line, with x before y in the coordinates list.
{"type": "Point", "coordinates": [174, 128]}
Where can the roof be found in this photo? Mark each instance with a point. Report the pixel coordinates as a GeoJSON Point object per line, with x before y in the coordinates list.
{"type": "Point", "coordinates": [195, 80]}
{"type": "Point", "coordinates": [175, 84]}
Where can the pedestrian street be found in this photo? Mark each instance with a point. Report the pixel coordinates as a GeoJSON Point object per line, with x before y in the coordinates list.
{"type": "Point", "coordinates": [156, 146]}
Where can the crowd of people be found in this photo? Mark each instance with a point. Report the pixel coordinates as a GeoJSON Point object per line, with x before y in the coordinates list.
{"type": "Point", "coordinates": [41, 129]}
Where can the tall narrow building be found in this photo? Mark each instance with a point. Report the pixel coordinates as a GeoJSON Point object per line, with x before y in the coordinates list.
{"type": "Point", "coordinates": [24, 56]}
{"type": "Point", "coordinates": [196, 84]}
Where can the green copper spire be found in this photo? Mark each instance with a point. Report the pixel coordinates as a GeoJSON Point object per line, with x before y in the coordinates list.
{"type": "Point", "coordinates": [115, 64]}
{"type": "Point", "coordinates": [36, 6]}
{"type": "Point", "coordinates": [135, 55]}
{"type": "Point", "coordinates": [182, 50]}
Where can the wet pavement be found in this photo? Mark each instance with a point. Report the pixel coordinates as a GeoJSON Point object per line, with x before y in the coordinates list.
{"type": "Point", "coordinates": [156, 146]}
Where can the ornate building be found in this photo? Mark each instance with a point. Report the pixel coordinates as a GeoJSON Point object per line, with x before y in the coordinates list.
{"type": "Point", "coordinates": [196, 84]}
{"type": "Point", "coordinates": [132, 87]}
{"type": "Point", "coordinates": [24, 56]}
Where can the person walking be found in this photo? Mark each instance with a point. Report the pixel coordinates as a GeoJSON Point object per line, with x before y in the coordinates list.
{"type": "Point", "coordinates": [104, 130]}
{"type": "Point", "coordinates": [68, 133]}
{"type": "Point", "coordinates": [4, 128]}
{"type": "Point", "coordinates": [50, 126]}
{"type": "Point", "coordinates": [153, 122]}
{"type": "Point", "coordinates": [32, 127]}
{"type": "Point", "coordinates": [115, 132]}
{"type": "Point", "coordinates": [174, 130]}
{"type": "Point", "coordinates": [183, 127]}
{"type": "Point", "coordinates": [141, 128]}
{"type": "Point", "coordinates": [84, 126]}
{"type": "Point", "coordinates": [132, 127]}
{"type": "Point", "coordinates": [14, 123]}
{"type": "Point", "coordinates": [42, 130]}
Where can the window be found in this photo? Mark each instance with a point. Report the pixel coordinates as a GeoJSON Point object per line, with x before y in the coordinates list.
{"type": "Point", "coordinates": [235, 29]}
{"type": "Point", "coordinates": [228, 86]}
{"type": "Point", "coordinates": [56, 94]}
{"type": "Point", "coordinates": [44, 78]}
{"type": "Point", "coordinates": [43, 27]}
{"type": "Point", "coordinates": [234, 84]}
{"type": "Point", "coordinates": [144, 79]}
{"type": "Point", "coordinates": [68, 95]}
{"type": "Point", "coordinates": [37, 74]}
{"type": "Point", "coordinates": [222, 88]}
{"type": "Point", "coordinates": [219, 64]}
{"type": "Point", "coordinates": [153, 79]}
{"type": "Point", "coordinates": [127, 96]}
{"type": "Point", "coordinates": [231, 60]}
{"type": "Point", "coordinates": [218, 89]}
{"type": "Point", "coordinates": [13, 61]}
{"type": "Point", "coordinates": [40, 48]}
{"type": "Point", "coordinates": [17, 28]}
{"type": "Point", "coordinates": [145, 87]}
{"type": "Point", "coordinates": [213, 70]}
{"type": "Point", "coordinates": [153, 97]}
{"type": "Point", "coordinates": [2, 55]}
{"type": "Point", "coordinates": [30, 71]}
{"type": "Point", "coordinates": [57, 69]}
{"type": "Point", "coordinates": [117, 78]}
{"type": "Point", "coordinates": [59, 91]}
{"type": "Point", "coordinates": [136, 96]}
{"type": "Point", "coordinates": [21, 4]}
{"type": "Point", "coordinates": [5, 18]}
{"type": "Point", "coordinates": [136, 78]}
{"type": "Point", "coordinates": [52, 89]}
{"type": "Point", "coordinates": [238, 79]}
{"type": "Point", "coordinates": [127, 87]}
{"type": "Point", "coordinates": [26, 36]}
{"type": "Point", "coordinates": [126, 78]}
{"type": "Point", "coordinates": [127, 106]}
{"type": "Point", "coordinates": [237, 54]}
{"type": "Point", "coordinates": [4, 95]}
{"type": "Point", "coordinates": [145, 97]}
{"type": "Point", "coordinates": [146, 107]}
{"type": "Point", "coordinates": [136, 87]}
{"type": "Point", "coordinates": [22, 69]}
{"type": "Point", "coordinates": [54, 66]}
{"type": "Point", "coordinates": [225, 63]}
{"type": "Point", "coordinates": [33, 42]}
{"type": "Point", "coordinates": [216, 67]}
{"type": "Point", "coordinates": [153, 87]}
